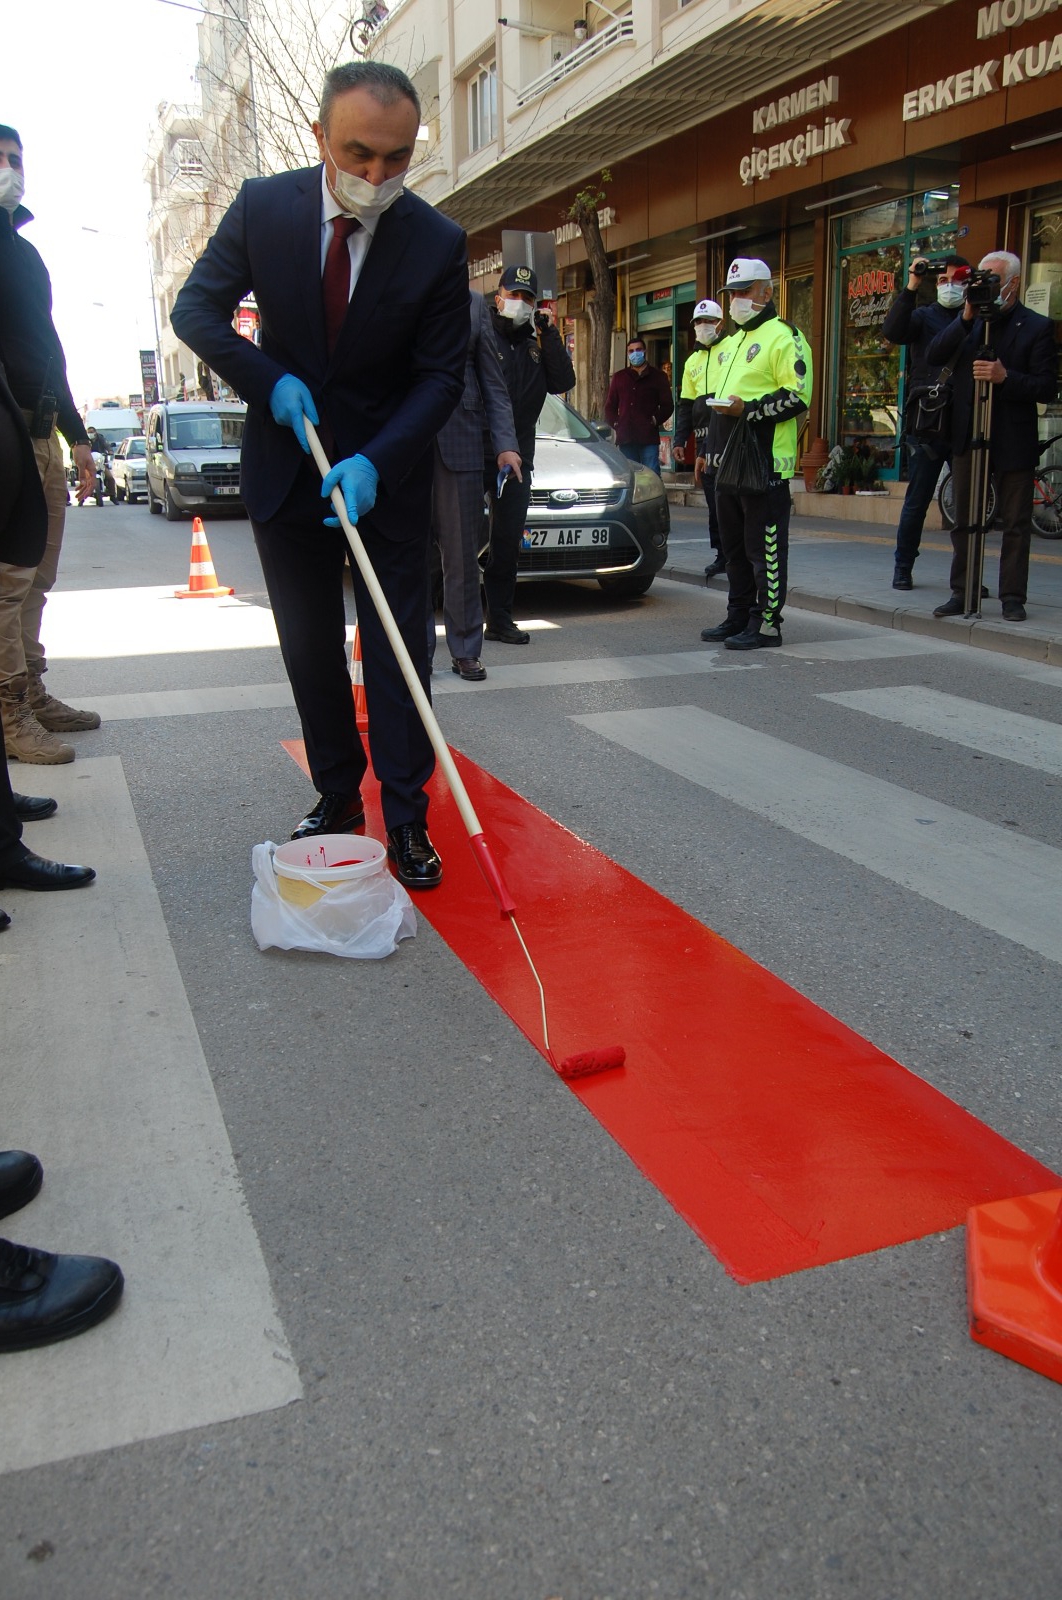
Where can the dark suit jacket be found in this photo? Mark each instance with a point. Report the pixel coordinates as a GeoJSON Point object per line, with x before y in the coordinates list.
{"type": "Point", "coordinates": [485, 404]}
{"type": "Point", "coordinates": [396, 372]}
{"type": "Point", "coordinates": [24, 530]}
{"type": "Point", "coordinates": [1025, 343]}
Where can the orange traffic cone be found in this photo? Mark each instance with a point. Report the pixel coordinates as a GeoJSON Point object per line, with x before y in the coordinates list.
{"type": "Point", "coordinates": [361, 709]}
{"type": "Point", "coordinates": [202, 579]}
{"type": "Point", "coordinates": [1014, 1279]}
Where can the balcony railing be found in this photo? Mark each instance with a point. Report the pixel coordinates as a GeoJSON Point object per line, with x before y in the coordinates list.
{"type": "Point", "coordinates": [619, 32]}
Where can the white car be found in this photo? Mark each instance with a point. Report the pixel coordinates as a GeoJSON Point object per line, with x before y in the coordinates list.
{"type": "Point", "coordinates": [129, 468]}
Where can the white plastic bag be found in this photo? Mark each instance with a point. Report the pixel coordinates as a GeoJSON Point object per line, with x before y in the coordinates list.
{"type": "Point", "coordinates": [364, 918]}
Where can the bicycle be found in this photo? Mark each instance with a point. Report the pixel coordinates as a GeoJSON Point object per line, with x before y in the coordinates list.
{"type": "Point", "coordinates": [1047, 498]}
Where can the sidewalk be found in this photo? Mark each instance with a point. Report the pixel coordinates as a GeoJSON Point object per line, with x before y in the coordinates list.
{"type": "Point", "coordinates": [845, 570]}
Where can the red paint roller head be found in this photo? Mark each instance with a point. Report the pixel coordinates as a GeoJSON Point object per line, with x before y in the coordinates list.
{"type": "Point", "coordinates": [588, 1061]}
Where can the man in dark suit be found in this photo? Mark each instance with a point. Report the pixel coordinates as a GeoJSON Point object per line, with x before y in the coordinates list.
{"type": "Point", "coordinates": [457, 497]}
{"type": "Point", "coordinates": [1022, 371]}
{"type": "Point", "coordinates": [362, 291]}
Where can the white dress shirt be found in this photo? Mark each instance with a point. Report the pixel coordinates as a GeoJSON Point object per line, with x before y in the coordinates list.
{"type": "Point", "coordinates": [360, 239]}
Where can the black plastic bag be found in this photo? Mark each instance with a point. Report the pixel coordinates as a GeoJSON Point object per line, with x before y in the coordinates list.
{"type": "Point", "coordinates": [743, 467]}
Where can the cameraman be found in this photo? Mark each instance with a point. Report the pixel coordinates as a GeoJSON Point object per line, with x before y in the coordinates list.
{"type": "Point", "coordinates": [915, 325]}
{"type": "Point", "coordinates": [532, 367]}
{"type": "Point", "coordinates": [1022, 371]}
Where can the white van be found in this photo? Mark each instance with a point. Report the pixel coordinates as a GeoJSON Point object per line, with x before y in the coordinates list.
{"type": "Point", "coordinates": [193, 456]}
{"type": "Point", "coordinates": [115, 423]}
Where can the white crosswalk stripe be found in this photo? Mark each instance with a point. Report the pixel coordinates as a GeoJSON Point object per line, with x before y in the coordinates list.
{"type": "Point", "coordinates": [1009, 734]}
{"type": "Point", "coordinates": [904, 837]}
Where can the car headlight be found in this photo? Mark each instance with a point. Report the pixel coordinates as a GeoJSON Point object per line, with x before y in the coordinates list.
{"type": "Point", "coordinates": [185, 471]}
{"type": "Point", "coordinates": [647, 485]}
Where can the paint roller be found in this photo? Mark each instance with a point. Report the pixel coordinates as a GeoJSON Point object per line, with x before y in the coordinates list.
{"type": "Point", "coordinates": [586, 1062]}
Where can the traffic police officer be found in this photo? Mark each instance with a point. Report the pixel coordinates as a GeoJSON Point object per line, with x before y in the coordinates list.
{"type": "Point", "coordinates": [763, 371]}
{"type": "Point", "coordinates": [696, 377]}
{"type": "Point", "coordinates": [533, 367]}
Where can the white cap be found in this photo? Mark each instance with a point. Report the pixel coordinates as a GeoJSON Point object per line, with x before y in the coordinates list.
{"type": "Point", "coordinates": [746, 270]}
{"type": "Point", "coordinates": [707, 309]}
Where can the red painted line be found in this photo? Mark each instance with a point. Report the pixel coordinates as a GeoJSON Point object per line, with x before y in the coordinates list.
{"type": "Point", "coordinates": [784, 1138]}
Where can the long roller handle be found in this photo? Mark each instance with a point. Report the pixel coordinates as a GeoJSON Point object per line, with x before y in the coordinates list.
{"type": "Point", "coordinates": [481, 849]}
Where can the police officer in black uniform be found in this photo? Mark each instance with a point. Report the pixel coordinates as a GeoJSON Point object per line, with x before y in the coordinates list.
{"type": "Point", "coordinates": [535, 363]}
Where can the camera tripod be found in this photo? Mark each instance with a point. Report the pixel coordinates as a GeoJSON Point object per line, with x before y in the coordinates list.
{"type": "Point", "coordinates": [980, 487]}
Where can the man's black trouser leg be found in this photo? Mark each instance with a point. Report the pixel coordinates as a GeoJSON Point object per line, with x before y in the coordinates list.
{"type": "Point", "coordinates": [303, 564]}
{"type": "Point", "coordinates": [507, 529]}
{"type": "Point", "coordinates": [754, 533]}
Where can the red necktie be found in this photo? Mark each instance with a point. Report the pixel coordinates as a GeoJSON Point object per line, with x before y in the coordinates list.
{"type": "Point", "coordinates": [335, 284]}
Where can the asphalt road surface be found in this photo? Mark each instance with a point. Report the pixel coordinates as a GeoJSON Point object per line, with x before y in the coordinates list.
{"type": "Point", "coordinates": [401, 1318]}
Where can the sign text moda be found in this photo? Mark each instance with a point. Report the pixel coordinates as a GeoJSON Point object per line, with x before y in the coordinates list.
{"type": "Point", "coordinates": [1018, 66]}
{"type": "Point", "coordinates": [802, 147]}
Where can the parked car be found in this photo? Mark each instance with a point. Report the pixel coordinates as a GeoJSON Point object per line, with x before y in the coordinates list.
{"type": "Point", "coordinates": [193, 456]}
{"type": "Point", "coordinates": [593, 513]}
{"type": "Point", "coordinates": [129, 469]}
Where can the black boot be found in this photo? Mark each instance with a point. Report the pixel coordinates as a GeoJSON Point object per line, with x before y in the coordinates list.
{"type": "Point", "coordinates": [725, 630]}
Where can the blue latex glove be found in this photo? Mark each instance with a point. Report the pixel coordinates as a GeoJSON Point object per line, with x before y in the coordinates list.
{"type": "Point", "coordinates": [289, 403]}
{"type": "Point", "coordinates": [356, 478]}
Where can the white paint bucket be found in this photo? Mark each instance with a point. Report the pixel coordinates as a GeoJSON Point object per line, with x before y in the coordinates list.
{"type": "Point", "coordinates": [307, 868]}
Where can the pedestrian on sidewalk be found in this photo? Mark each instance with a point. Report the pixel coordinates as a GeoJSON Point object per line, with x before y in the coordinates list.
{"type": "Point", "coordinates": [913, 320]}
{"type": "Point", "coordinates": [638, 403]}
{"type": "Point", "coordinates": [696, 375]}
{"type": "Point", "coordinates": [36, 372]}
{"type": "Point", "coordinates": [1023, 372]}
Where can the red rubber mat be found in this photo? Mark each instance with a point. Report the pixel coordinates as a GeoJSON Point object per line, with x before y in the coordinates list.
{"type": "Point", "coordinates": [783, 1138]}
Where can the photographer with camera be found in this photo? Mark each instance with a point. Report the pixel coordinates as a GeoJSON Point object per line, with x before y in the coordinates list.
{"type": "Point", "coordinates": [996, 341]}
{"type": "Point", "coordinates": [534, 364]}
{"type": "Point", "coordinates": [914, 322]}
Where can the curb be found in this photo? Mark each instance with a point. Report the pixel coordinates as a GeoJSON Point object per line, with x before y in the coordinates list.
{"type": "Point", "coordinates": [1013, 639]}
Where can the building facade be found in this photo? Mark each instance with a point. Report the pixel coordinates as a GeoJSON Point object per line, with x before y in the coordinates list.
{"type": "Point", "coordinates": [834, 140]}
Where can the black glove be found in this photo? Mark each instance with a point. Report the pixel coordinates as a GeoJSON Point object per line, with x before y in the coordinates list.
{"type": "Point", "coordinates": [542, 322]}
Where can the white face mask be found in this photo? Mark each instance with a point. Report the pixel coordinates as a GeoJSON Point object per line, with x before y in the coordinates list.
{"type": "Point", "coordinates": [12, 188]}
{"type": "Point", "coordinates": [742, 309]}
{"type": "Point", "coordinates": [706, 332]}
{"type": "Point", "coordinates": [359, 198]}
{"type": "Point", "coordinates": [518, 312]}
{"type": "Point", "coordinates": [950, 295]}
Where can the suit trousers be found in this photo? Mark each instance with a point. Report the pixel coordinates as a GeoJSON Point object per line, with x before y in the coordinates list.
{"type": "Point", "coordinates": [303, 563]}
{"type": "Point", "coordinates": [23, 590]}
{"type": "Point", "coordinates": [754, 539]}
{"type": "Point", "coordinates": [459, 528]}
{"type": "Point", "coordinates": [1014, 507]}
{"type": "Point", "coordinates": [508, 519]}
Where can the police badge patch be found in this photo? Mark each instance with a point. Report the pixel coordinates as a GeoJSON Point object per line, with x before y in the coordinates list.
{"type": "Point", "coordinates": [534, 352]}
{"type": "Point", "coordinates": [754, 350]}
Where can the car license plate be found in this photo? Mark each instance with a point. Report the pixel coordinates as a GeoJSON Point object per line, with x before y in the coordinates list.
{"type": "Point", "coordinates": [228, 488]}
{"type": "Point", "coordinates": [565, 538]}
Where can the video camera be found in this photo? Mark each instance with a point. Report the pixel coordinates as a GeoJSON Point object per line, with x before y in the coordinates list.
{"type": "Point", "coordinates": [980, 289]}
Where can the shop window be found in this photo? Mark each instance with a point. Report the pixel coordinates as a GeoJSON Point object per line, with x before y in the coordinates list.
{"type": "Point", "coordinates": [483, 107]}
{"type": "Point", "coordinates": [1043, 293]}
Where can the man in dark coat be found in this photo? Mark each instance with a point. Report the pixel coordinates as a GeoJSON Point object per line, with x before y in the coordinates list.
{"type": "Point", "coordinates": [638, 403]}
{"type": "Point", "coordinates": [362, 290]}
{"type": "Point", "coordinates": [1022, 371]}
{"type": "Point", "coordinates": [535, 363]}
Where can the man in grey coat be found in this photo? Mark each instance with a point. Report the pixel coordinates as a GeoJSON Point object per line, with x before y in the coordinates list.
{"type": "Point", "coordinates": [457, 495]}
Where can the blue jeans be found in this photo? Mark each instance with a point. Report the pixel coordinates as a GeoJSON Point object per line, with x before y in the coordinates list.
{"type": "Point", "coordinates": [648, 455]}
{"type": "Point", "coordinates": [924, 463]}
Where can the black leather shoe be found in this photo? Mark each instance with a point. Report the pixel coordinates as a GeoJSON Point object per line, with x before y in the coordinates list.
{"type": "Point", "coordinates": [952, 607]}
{"type": "Point", "coordinates": [417, 864]}
{"type": "Point", "coordinates": [33, 807]}
{"type": "Point", "coordinates": [725, 630]}
{"type": "Point", "coordinates": [1013, 611]}
{"type": "Point", "coordinates": [470, 668]}
{"type": "Point", "coordinates": [901, 578]}
{"type": "Point", "coordinates": [333, 813]}
{"type": "Point", "coordinates": [716, 569]}
{"type": "Point", "coordinates": [503, 630]}
{"type": "Point", "coordinates": [44, 1297]}
{"type": "Point", "coordinates": [34, 872]}
{"type": "Point", "coordinates": [21, 1176]}
{"type": "Point", "coordinates": [755, 638]}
